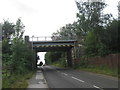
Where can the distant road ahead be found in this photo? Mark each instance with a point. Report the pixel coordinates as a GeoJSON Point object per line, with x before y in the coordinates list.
{"type": "Point", "coordinates": [68, 78]}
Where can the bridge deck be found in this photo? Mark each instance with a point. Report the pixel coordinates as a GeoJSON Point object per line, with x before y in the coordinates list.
{"type": "Point", "coordinates": [60, 45]}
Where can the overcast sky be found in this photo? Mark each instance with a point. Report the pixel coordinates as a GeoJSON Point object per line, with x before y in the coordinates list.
{"type": "Point", "coordinates": [43, 17]}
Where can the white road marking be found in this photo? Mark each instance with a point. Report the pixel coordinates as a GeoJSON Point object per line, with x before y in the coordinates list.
{"type": "Point", "coordinates": [97, 87]}
{"type": "Point", "coordinates": [65, 74]}
{"type": "Point", "coordinates": [78, 79]}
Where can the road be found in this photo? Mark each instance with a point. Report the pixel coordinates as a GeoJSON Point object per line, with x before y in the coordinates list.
{"type": "Point", "coordinates": [69, 78]}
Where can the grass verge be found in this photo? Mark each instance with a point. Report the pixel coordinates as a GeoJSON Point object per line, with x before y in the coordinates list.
{"type": "Point", "coordinates": [16, 81]}
{"type": "Point", "coordinates": [58, 64]}
{"type": "Point", "coordinates": [95, 69]}
{"type": "Point", "coordinates": [101, 70]}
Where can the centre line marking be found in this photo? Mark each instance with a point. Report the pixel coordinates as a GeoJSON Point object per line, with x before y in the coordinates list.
{"type": "Point", "coordinates": [65, 74]}
{"type": "Point", "coordinates": [78, 79]}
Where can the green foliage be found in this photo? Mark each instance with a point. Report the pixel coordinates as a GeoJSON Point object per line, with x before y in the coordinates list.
{"type": "Point", "coordinates": [91, 17]}
{"type": "Point", "coordinates": [21, 56]}
{"type": "Point", "coordinates": [97, 32]}
{"type": "Point", "coordinates": [7, 29]}
{"type": "Point", "coordinates": [62, 62]}
{"type": "Point", "coordinates": [101, 43]}
{"type": "Point", "coordinates": [17, 55]}
{"type": "Point", "coordinates": [82, 63]}
{"type": "Point", "coordinates": [101, 70]}
{"type": "Point", "coordinates": [47, 60]}
{"type": "Point", "coordinates": [19, 29]}
{"type": "Point", "coordinates": [111, 37]}
{"type": "Point", "coordinates": [51, 57]}
{"type": "Point", "coordinates": [17, 81]}
{"type": "Point", "coordinates": [67, 32]}
{"type": "Point", "coordinates": [94, 30]}
{"type": "Point", "coordinates": [5, 46]}
{"type": "Point", "coordinates": [55, 58]}
{"type": "Point", "coordinates": [90, 42]}
{"type": "Point", "coordinates": [94, 46]}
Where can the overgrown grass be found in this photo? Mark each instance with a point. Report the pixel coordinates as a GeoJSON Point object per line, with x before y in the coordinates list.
{"type": "Point", "coordinates": [84, 66]}
{"type": "Point", "coordinates": [16, 81]}
{"type": "Point", "coordinates": [101, 70]}
{"type": "Point", "coordinates": [95, 69]}
{"type": "Point", "coordinates": [59, 64]}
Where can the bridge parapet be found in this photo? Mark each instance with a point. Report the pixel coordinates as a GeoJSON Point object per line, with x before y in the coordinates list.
{"type": "Point", "coordinates": [46, 38]}
{"type": "Point", "coordinates": [41, 38]}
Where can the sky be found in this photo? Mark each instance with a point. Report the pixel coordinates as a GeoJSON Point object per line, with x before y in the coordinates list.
{"type": "Point", "coordinates": [43, 17]}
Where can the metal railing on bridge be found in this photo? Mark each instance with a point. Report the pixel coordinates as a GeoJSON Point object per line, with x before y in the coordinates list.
{"type": "Point", "coordinates": [47, 38]}
{"type": "Point", "coordinates": [41, 38]}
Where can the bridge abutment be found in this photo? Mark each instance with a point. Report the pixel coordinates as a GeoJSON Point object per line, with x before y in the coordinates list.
{"type": "Point", "coordinates": [69, 58]}
{"type": "Point", "coordinates": [34, 53]}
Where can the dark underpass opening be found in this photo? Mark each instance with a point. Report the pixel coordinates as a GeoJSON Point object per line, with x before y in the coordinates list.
{"type": "Point", "coordinates": [58, 58]}
{"type": "Point", "coordinates": [56, 51]}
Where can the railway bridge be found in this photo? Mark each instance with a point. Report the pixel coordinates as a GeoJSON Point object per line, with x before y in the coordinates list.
{"type": "Point", "coordinates": [45, 45]}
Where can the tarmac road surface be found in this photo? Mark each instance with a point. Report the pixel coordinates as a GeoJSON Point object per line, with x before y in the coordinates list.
{"type": "Point", "coordinates": [68, 78]}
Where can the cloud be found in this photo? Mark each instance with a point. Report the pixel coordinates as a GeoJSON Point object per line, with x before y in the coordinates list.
{"type": "Point", "coordinates": [23, 7]}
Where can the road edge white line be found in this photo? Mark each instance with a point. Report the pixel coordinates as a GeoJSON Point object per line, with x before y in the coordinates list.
{"type": "Point", "coordinates": [97, 87]}
{"type": "Point", "coordinates": [78, 79]}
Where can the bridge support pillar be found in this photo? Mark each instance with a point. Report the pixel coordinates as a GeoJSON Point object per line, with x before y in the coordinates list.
{"type": "Point", "coordinates": [27, 39]}
{"type": "Point", "coordinates": [69, 59]}
{"type": "Point", "coordinates": [35, 60]}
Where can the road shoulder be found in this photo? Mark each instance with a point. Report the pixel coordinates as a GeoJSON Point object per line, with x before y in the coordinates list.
{"type": "Point", "coordinates": [37, 81]}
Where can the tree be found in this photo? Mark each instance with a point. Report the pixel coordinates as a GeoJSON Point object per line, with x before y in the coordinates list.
{"type": "Point", "coordinates": [119, 10]}
{"type": "Point", "coordinates": [17, 55]}
{"type": "Point", "coordinates": [112, 37]}
{"type": "Point", "coordinates": [67, 32]}
{"type": "Point", "coordinates": [20, 50]}
{"type": "Point", "coordinates": [51, 57]}
{"type": "Point", "coordinates": [7, 29]}
{"type": "Point", "coordinates": [92, 24]}
{"type": "Point", "coordinates": [91, 17]}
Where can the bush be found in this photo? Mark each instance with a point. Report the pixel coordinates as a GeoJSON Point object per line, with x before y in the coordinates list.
{"type": "Point", "coordinates": [82, 63]}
